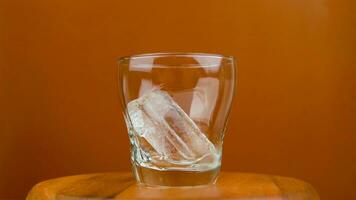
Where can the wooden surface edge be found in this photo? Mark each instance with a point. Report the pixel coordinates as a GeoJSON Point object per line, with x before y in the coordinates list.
{"type": "Point", "coordinates": [124, 187]}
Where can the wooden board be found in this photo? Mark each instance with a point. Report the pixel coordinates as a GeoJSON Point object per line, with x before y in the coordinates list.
{"type": "Point", "coordinates": [122, 186]}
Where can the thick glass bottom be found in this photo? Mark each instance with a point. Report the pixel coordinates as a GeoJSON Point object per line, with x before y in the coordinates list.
{"type": "Point", "coordinates": [154, 177]}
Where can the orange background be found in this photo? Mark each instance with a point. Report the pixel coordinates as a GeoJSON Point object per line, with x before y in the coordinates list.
{"type": "Point", "coordinates": [295, 112]}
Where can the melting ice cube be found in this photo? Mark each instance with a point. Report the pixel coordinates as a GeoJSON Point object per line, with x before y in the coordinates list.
{"type": "Point", "coordinates": [166, 132]}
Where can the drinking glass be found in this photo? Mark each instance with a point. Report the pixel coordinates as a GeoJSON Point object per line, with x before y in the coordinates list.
{"type": "Point", "coordinates": [176, 107]}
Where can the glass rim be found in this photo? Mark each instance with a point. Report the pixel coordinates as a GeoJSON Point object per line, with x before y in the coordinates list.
{"type": "Point", "coordinates": [176, 54]}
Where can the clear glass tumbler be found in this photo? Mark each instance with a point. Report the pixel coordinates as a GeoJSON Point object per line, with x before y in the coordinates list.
{"type": "Point", "coordinates": [176, 107]}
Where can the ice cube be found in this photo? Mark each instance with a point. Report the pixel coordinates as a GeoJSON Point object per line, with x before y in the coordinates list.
{"type": "Point", "coordinates": [166, 132]}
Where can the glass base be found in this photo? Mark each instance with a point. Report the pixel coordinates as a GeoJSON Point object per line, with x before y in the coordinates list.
{"type": "Point", "coordinates": [152, 177]}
